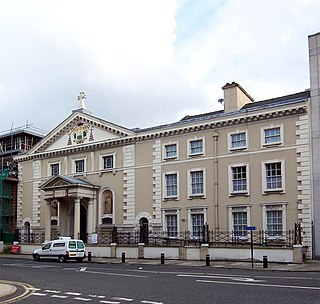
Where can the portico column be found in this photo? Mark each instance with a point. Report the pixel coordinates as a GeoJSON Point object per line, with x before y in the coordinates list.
{"type": "Point", "coordinates": [47, 233]}
{"type": "Point", "coordinates": [76, 229]}
{"type": "Point", "coordinates": [90, 217]}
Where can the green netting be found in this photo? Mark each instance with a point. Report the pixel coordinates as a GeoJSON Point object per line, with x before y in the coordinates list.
{"type": "Point", "coordinates": [5, 200]}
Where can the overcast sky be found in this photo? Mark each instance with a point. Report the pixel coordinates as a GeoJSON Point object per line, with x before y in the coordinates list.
{"type": "Point", "coordinates": [147, 62]}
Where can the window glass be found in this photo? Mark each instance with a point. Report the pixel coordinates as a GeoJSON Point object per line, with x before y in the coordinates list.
{"type": "Point", "coordinates": [171, 150]}
{"type": "Point", "coordinates": [238, 140]}
{"type": "Point", "coordinates": [79, 166]}
{"type": "Point", "coordinates": [273, 176]}
{"type": "Point", "coordinates": [197, 182]}
{"type": "Point", "coordinates": [274, 222]}
{"type": "Point", "coordinates": [108, 162]}
{"type": "Point", "coordinates": [239, 178]}
{"type": "Point", "coordinates": [272, 135]}
{"type": "Point", "coordinates": [80, 244]}
{"type": "Point", "coordinates": [171, 184]}
{"type": "Point", "coordinates": [47, 246]}
{"type": "Point", "coordinates": [54, 169]}
{"type": "Point", "coordinates": [197, 224]}
{"type": "Point", "coordinates": [72, 244]}
{"type": "Point", "coordinates": [196, 146]}
{"type": "Point", "coordinates": [240, 223]}
{"type": "Point", "coordinates": [172, 225]}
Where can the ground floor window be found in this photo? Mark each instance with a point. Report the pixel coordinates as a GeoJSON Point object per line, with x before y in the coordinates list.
{"type": "Point", "coordinates": [172, 225]}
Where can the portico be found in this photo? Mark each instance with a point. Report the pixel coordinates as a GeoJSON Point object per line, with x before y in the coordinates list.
{"type": "Point", "coordinates": [70, 202]}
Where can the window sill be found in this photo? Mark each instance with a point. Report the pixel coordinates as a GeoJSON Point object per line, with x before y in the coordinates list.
{"type": "Point", "coordinates": [272, 145]}
{"type": "Point", "coordinates": [173, 198]}
{"type": "Point", "coordinates": [232, 194]}
{"type": "Point", "coordinates": [190, 197]}
{"type": "Point", "coordinates": [273, 191]}
{"type": "Point", "coordinates": [234, 150]}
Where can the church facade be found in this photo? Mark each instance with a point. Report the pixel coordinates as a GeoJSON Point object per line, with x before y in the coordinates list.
{"type": "Point", "coordinates": [241, 166]}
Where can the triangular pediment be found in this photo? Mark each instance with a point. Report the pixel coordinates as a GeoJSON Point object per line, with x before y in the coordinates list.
{"type": "Point", "coordinates": [80, 129]}
{"type": "Point", "coordinates": [60, 181]}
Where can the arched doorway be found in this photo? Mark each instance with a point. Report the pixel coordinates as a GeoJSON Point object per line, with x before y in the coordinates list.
{"type": "Point", "coordinates": [144, 230]}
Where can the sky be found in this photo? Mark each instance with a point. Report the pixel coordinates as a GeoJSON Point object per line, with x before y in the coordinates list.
{"type": "Point", "coordinates": [145, 63]}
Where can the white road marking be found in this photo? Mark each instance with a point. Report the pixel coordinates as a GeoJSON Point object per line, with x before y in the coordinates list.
{"type": "Point", "coordinates": [59, 296]}
{"type": "Point", "coordinates": [122, 299]}
{"type": "Point", "coordinates": [219, 277]}
{"type": "Point", "coordinates": [96, 296]}
{"type": "Point", "coordinates": [117, 274]}
{"type": "Point", "coordinates": [39, 294]}
{"type": "Point", "coordinates": [52, 291]}
{"type": "Point", "coordinates": [109, 302]}
{"type": "Point", "coordinates": [73, 293]}
{"type": "Point", "coordinates": [150, 302]}
{"type": "Point", "coordinates": [83, 269]}
{"type": "Point", "coordinates": [83, 299]}
{"type": "Point", "coordinates": [261, 285]}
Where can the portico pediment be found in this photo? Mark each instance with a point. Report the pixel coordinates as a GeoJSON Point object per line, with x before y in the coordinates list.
{"type": "Point", "coordinates": [77, 130]}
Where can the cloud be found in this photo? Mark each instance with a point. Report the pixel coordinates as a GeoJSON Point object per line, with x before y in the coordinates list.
{"type": "Point", "coordinates": [144, 63]}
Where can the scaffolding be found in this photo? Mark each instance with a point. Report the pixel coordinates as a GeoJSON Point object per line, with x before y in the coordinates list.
{"type": "Point", "coordinates": [5, 202]}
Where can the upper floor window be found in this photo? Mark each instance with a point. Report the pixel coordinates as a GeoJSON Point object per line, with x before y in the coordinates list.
{"type": "Point", "coordinates": [272, 136]}
{"type": "Point", "coordinates": [238, 141]}
{"type": "Point", "coordinates": [274, 176]}
{"type": "Point", "coordinates": [197, 185]}
{"type": "Point", "coordinates": [170, 151]}
{"type": "Point", "coordinates": [196, 147]}
{"type": "Point", "coordinates": [79, 166]}
{"type": "Point", "coordinates": [55, 169]}
{"type": "Point", "coordinates": [239, 179]}
{"type": "Point", "coordinates": [171, 185]}
{"type": "Point", "coordinates": [108, 161]}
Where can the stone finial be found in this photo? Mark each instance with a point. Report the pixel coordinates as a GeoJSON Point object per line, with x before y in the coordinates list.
{"type": "Point", "coordinates": [82, 97]}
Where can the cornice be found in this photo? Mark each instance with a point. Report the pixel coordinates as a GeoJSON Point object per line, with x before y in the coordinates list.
{"type": "Point", "coordinates": [159, 133]}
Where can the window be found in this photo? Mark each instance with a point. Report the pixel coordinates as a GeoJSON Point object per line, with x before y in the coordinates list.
{"type": "Point", "coordinates": [170, 151]}
{"type": "Point", "coordinates": [107, 162]}
{"type": "Point", "coordinates": [196, 147]}
{"type": "Point", "coordinates": [272, 135]}
{"type": "Point", "coordinates": [55, 169]}
{"type": "Point", "coordinates": [197, 224]}
{"type": "Point", "coordinates": [239, 179]}
{"type": "Point", "coordinates": [238, 141]}
{"type": "Point", "coordinates": [171, 184]}
{"type": "Point", "coordinates": [171, 225]}
{"type": "Point", "coordinates": [79, 166]}
{"type": "Point", "coordinates": [274, 222]}
{"type": "Point", "coordinates": [196, 183]}
{"type": "Point", "coordinates": [239, 223]}
{"type": "Point", "coordinates": [273, 175]}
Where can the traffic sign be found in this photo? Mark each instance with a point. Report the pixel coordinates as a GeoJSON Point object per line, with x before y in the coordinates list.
{"type": "Point", "coordinates": [251, 228]}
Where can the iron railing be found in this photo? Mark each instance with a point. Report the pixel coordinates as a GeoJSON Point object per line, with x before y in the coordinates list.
{"type": "Point", "coordinates": [261, 238]}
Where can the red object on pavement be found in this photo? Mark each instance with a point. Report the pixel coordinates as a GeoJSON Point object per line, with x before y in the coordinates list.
{"type": "Point", "coordinates": [15, 248]}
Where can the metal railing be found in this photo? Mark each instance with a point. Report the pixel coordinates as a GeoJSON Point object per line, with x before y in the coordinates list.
{"type": "Point", "coordinates": [261, 238]}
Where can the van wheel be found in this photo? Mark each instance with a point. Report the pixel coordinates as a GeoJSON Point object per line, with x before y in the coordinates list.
{"type": "Point", "coordinates": [61, 259]}
{"type": "Point", "coordinates": [36, 257]}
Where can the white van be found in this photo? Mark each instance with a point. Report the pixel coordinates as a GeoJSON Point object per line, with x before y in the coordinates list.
{"type": "Point", "coordinates": [63, 249]}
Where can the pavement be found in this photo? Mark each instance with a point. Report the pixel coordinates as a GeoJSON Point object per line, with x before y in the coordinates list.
{"type": "Point", "coordinates": [308, 266]}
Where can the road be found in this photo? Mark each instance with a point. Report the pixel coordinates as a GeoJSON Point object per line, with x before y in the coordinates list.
{"type": "Point", "coordinates": [71, 282]}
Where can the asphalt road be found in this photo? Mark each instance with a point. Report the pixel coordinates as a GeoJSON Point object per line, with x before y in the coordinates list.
{"type": "Point", "coordinates": [71, 282]}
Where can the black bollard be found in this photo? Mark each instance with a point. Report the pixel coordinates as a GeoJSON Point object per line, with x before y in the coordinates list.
{"type": "Point", "coordinates": [207, 259]}
{"type": "Point", "coordinates": [162, 258]}
{"type": "Point", "coordinates": [265, 261]}
{"type": "Point", "coordinates": [123, 257]}
{"type": "Point", "coordinates": [89, 256]}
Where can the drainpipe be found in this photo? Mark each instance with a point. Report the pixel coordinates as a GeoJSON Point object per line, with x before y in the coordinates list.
{"type": "Point", "coordinates": [215, 181]}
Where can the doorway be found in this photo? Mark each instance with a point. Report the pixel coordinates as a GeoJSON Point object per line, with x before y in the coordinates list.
{"type": "Point", "coordinates": [144, 230]}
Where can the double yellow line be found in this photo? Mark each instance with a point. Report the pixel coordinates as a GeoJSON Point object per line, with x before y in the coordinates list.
{"type": "Point", "coordinates": [28, 291]}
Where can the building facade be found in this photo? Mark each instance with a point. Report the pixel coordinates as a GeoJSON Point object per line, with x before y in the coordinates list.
{"type": "Point", "coordinates": [229, 169]}
{"type": "Point", "coordinates": [254, 163]}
